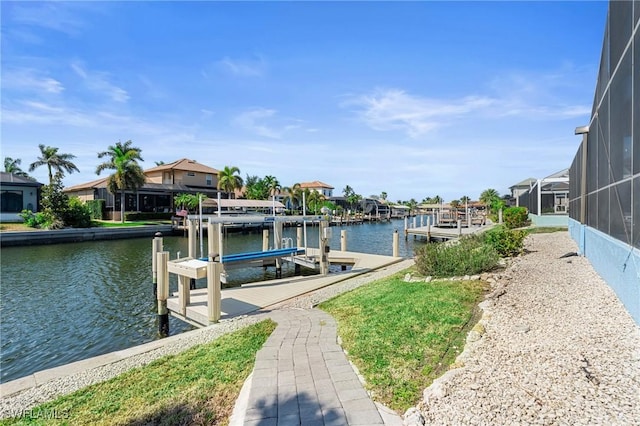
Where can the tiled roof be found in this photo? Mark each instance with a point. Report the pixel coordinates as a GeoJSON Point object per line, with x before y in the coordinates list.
{"type": "Point", "coordinates": [10, 178]}
{"type": "Point", "coordinates": [315, 184]}
{"type": "Point", "coordinates": [184, 164]}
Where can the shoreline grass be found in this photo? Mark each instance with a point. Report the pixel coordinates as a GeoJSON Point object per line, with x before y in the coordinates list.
{"type": "Point", "coordinates": [403, 335]}
{"type": "Point", "coordinates": [197, 386]}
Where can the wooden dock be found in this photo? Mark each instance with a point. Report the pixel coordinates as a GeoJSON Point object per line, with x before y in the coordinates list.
{"type": "Point", "coordinates": [254, 296]}
{"type": "Point", "coordinates": [447, 233]}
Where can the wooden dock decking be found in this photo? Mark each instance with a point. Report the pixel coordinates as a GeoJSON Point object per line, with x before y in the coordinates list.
{"type": "Point", "coordinates": [445, 233]}
{"type": "Point", "coordinates": [254, 296]}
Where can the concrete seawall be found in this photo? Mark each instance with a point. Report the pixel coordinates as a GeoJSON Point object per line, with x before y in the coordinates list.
{"type": "Point", "coordinates": [74, 235]}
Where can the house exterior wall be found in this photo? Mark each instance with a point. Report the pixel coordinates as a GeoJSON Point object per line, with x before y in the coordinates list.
{"type": "Point", "coordinates": [605, 206]}
{"type": "Point", "coordinates": [29, 201]}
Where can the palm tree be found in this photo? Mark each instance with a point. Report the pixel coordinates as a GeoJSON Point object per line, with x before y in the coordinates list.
{"type": "Point", "coordinates": [454, 204]}
{"type": "Point", "coordinates": [293, 195]}
{"type": "Point", "coordinates": [489, 196]}
{"type": "Point", "coordinates": [347, 191]}
{"type": "Point", "coordinates": [412, 204]}
{"type": "Point", "coordinates": [437, 200]}
{"type": "Point", "coordinates": [383, 196]}
{"type": "Point", "coordinates": [314, 201]}
{"type": "Point", "coordinates": [123, 158]}
{"type": "Point", "coordinates": [273, 185]}
{"type": "Point", "coordinates": [464, 199]}
{"type": "Point", "coordinates": [54, 161]}
{"type": "Point", "coordinates": [229, 179]}
{"type": "Point", "coordinates": [13, 166]}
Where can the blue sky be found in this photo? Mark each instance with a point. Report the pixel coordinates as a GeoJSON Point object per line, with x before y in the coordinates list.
{"type": "Point", "coordinates": [412, 98]}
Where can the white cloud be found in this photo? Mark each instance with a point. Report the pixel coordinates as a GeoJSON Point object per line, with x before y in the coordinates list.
{"type": "Point", "coordinates": [98, 82]}
{"type": "Point", "coordinates": [265, 122]}
{"type": "Point", "coordinates": [395, 109]}
{"type": "Point", "coordinates": [31, 80]}
{"type": "Point", "coordinates": [244, 68]}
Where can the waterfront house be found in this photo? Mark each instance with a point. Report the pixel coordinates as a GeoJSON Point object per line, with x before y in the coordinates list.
{"type": "Point", "coordinates": [17, 193]}
{"type": "Point", "coordinates": [321, 187]}
{"type": "Point", "coordinates": [547, 200]}
{"type": "Point", "coordinates": [162, 183]}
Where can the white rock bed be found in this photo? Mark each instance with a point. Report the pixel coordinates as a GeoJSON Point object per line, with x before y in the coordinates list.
{"type": "Point", "coordinates": [554, 346]}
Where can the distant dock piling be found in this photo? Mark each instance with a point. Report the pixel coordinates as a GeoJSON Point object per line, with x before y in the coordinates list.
{"type": "Point", "coordinates": [396, 244]}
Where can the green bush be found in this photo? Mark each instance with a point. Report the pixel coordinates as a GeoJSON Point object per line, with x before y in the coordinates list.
{"type": "Point", "coordinates": [34, 220]}
{"type": "Point", "coordinates": [96, 209]}
{"type": "Point", "coordinates": [507, 242]}
{"type": "Point", "coordinates": [466, 257]}
{"type": "Point", "coordinates": [515, 217]}
{"type": "Point", "coordinates": [77, 214]}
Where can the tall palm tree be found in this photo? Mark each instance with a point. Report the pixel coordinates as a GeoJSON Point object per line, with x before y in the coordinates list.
{"type": "Point", "coordinates": [273, 185]}
{"type": "Point", "coordinates": [489, 196]}
{"type": "Point", "coordinates": [437, 200]}
{"type": "Point", "coordinates": [13, 166]}
{"type": "Point", "coordinates": [54, 161]}
{"type": "Point", "coordinates": [293, 195]}
{"type": "Point", "coordinates": [128, 175]}
{"type": "Point", "coordinates": [314, 201]}
{"type": "Point", "coordinates": [464, 199]}
{"type": "Point", "coordinates": [383, 196]}
{"type": "Point", "coordinates": [229, 179]}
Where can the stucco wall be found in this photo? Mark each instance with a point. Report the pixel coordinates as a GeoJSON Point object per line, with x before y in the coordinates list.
{"type": "Point", "coordinates": [617, 263]}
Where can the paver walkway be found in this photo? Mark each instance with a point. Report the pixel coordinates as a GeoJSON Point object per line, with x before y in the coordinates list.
{"type": "Point", "coordinates": [302, 376]}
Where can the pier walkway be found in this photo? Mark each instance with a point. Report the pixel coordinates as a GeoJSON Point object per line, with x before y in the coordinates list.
{"type": "Point", "coordinates": [254, 296]}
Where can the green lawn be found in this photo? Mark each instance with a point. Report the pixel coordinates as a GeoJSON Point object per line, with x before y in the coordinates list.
{"type": "Point", "coordinates": [401, 336]}
{"type": "Point", "coordinates": [198, 386]}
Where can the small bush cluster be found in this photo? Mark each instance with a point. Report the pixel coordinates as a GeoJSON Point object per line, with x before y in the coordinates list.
{"type": "Point", "coordinates": [470, 255]}
{"type": "Point", "coordinates": [515, 217]}
{"type": "Point", "coordinates": [507, 242]}
{"type": "Point", "coordinates": [467, 257]}
{"type": "Point", "coordinates": [96, 209]}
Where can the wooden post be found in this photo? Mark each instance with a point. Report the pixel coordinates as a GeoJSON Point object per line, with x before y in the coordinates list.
{"type": "Point", "coordinates": [343, 240]}
{"type": "Point", "coordinates": [277, 243]}
{"type": "Point", "coordinates": [299, 236]}
{"type": "Point", "coordinates": [213, 239]}
{"type": "Point", "coordinates": [500, 216]}
{"type": "Point", "coordinates": [421, 220]}
{"type": "Point", "coordinates": [214, 295]}
{"type": "Point", "coordinates": [396, 244]}
{"type": "Point", "coordinates": [459, 227]}
{"type": "Point", "coordinates": [192, 238]}
{"type": "Point", "coordinates": [415, 219]}
{"type": "Point", "coordinates": [324, 247]}
{"type": "Point", "coordinates": [429, 228]}
{"type": "Point", "coordinates": [265, 239]}
{"type": "Point", "coordinates": [184, 296]}
{"type": "Point", "coordinates": [436, 218]}
{"type": "Point", "coordinates": [468, 214]}
{"type": "Point", "coordinates": [162, 292]}
{"type": "Point", "coordinates": [156, 247]}
{"type": "Point", "coordinates": [406, 228]}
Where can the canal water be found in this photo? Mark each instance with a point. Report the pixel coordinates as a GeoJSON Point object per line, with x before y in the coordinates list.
{"type": "Point", "coordinates": [66, 302]}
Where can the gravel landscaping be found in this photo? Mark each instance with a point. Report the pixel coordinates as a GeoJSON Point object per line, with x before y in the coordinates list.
{"type": "Point", "coordinates": [554, 346]}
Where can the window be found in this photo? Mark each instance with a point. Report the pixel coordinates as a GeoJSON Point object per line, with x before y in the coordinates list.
{"type": "Point", "coordinates": [191, 174]}
{"type": "Point", "coordinates": [209, 180]}
{"type": "Point", "coordinates": [11, 201]}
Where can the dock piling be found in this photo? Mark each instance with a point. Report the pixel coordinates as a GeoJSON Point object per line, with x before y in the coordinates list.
{"type": "Point", "coordinates": [343, 240]}
{"type": "Point", "coordinates": [214, 295]}
{"type": "Point", "coordinates": [396, 244]}
{"type": "Point", "coordinates": [162, 292]}
{"type": "Point", "coordinates": [156, 247]}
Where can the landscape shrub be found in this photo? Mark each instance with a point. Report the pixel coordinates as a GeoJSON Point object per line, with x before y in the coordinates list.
{"type": "Point", "coordinates": [515, 217]}
{"type": "Point", "coordinates": [96, 209]}
{"type": "Point", "coordinates": [77, 214]}
{"type": "Point", "coordinates": [466, 257]}
{"type": "Point", "coordinates": [507, 242]}
{"type": "Point", "coordinates": [34, 220]}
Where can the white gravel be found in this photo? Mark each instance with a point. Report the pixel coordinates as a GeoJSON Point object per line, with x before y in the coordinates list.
{"type": "Point", "coordinates": [555, 346]}
{"type": "Point", "coordinates": [31, 397]}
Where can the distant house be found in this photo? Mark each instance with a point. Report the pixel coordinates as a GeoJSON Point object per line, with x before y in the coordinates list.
{"type": "Point", "coordinates": [522, 187]}
{"type": "Point", "coordinates": [163, 182]}
{"type": "Point", "coordinates": [321, 187]}
{"type": "Point", "coordinates": [548, 197]}
{"type": "Point", "coordinates": [16, 194]}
